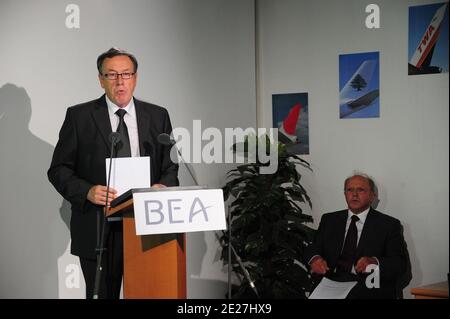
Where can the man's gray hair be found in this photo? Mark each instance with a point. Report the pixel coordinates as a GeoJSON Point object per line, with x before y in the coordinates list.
{"type": "Point", "coordinates": [365, 176]}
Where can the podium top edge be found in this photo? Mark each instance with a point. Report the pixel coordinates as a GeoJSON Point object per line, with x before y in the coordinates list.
{"type": "Point", "coordinates": [165, 189]}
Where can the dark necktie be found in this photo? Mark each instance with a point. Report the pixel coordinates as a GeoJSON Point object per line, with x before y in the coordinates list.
{"type": "Point", "coordinates": [123, 147]}
{"type": "Point", "coordinates": [347, 257]}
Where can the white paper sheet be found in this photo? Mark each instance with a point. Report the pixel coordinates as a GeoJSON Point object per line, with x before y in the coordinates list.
{"type": "Point", "coordinates": [129, 172]}
{"type": "Point", "coordinates": [329, 289]}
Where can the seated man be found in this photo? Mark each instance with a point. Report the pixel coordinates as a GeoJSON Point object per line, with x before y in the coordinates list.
{"type": "Point", "coordinates": [349, 241]}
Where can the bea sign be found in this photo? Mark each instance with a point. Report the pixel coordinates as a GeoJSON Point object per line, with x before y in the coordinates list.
{"type": "Point", "coordinates": [178, 211]}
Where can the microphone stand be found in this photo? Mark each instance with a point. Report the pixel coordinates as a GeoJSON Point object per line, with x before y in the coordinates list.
{"type": "Point", "coordinates": [114, 137]}
{"type": "Point", "coordinates": [187, 166]}
{"type": "Point", "coordinates": [239, 260]}
{"type": "Point", "coordinates": [230, 268]}
{"type": "Point", "coordinates": [167, 140]}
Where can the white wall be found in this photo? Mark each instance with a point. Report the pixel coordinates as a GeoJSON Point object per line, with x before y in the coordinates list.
{"type": "Point", "coordinates": [196, 58]}
{"type": "Point", "coordinates": [405, 150]}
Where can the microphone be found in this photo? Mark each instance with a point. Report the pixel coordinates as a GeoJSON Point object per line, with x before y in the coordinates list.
{"type": "Point", "coordinates": [165, 139]}
{"type": "Point", "coordinates": [114, 138]}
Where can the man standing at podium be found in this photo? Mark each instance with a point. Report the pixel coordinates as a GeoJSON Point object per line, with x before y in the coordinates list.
{"type": "Point", "coordinates": [78, 168]}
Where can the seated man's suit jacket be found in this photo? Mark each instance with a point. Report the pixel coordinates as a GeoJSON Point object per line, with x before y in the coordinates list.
{"type": "Point", "coordinates": [381, 237]}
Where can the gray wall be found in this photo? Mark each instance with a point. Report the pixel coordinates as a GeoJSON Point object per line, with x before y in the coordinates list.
{"type": "Point", "coordinates": [196, 59]}
{"type": "Point", "coordinates": [406, 150]}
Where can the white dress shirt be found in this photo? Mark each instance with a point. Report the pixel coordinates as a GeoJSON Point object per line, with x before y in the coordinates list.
{"type": "Point", "coordinates": [130, 120]}
{"type": "Point", "coordinates": [359, 226]}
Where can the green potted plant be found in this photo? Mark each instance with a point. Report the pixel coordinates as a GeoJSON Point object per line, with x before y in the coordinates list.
{"type": "Point", "coordinates": [268, 227]}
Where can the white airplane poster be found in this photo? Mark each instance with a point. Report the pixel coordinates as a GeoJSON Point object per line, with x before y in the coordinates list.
{"type": "Point", "coordinates": [359, 85]}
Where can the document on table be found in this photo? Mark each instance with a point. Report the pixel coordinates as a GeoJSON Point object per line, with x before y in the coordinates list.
{"type": "Point", "coordinates": [330, 289]}
{"type": "Point", "coordinates": [128, 173]}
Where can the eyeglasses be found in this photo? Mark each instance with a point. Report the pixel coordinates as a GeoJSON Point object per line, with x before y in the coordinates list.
{"type": "Point", "coordinates": [355, 190]}
{"type": "Point", "coordinates": [115, 76]}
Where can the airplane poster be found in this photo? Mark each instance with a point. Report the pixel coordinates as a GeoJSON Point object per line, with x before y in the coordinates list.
{"type": "Point", "coordinates": [290, 116]}
{"type": "Point", "coordinates": [359, 85]}
{"type": "Point", "coordinates": [428, 39]}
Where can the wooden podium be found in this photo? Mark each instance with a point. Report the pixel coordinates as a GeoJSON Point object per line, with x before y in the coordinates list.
{"type": "Point", "coordinates": [154, 265]}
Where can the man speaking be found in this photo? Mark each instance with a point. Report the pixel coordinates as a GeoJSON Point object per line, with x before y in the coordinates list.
{"type": "Point", "coordinates": [78, 173]}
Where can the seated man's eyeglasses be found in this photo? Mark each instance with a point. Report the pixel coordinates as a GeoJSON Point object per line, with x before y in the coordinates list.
{"type": "Point", "coordinates": [114, 76]}
{"type": "Point", "coordinates": [355, 190]}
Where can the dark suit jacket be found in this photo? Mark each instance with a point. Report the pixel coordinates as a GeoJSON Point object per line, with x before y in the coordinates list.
{"type": "Point", "coordinates": [79, 161]}
{"type": "Point", "coordinates": [382, 237]}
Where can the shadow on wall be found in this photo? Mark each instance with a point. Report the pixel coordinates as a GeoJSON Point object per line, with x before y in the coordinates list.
{"type": "Point", "coordinates": [32, 233]}
{"type": "Point", "coordinates": [201, 257]}
{"type": "Point", "coordinates": [202, 284]}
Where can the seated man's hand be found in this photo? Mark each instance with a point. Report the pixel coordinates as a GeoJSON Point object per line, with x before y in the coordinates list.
{"type": "Point", "coordinates": [158, 186]}
{"type": "Point", "coordinates": [363, 262]}
{"type": "Point", "coordinates": [319, 265]}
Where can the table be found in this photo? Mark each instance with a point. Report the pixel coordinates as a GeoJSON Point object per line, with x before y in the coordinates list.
{"type": "Point", "coordinates": [434, 291]}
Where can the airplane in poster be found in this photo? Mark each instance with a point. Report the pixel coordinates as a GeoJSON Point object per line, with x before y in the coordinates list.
{"type": "Point", "coordinates": [287, 129]}
{"type": "Point", "coordinates": [357, 93]}
{"type": "Point", "coordinates": [421, 60]}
